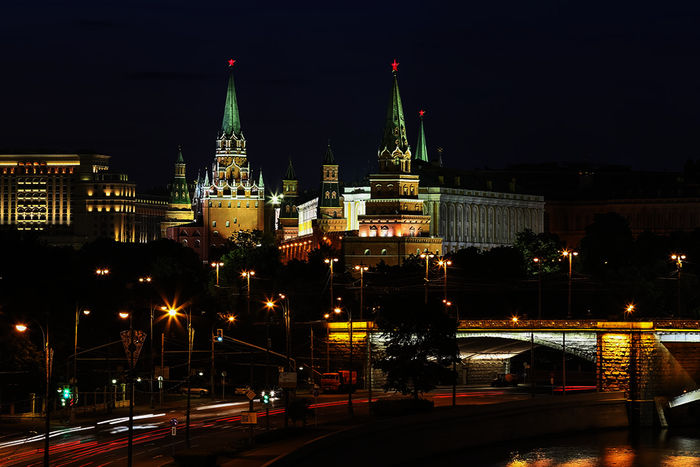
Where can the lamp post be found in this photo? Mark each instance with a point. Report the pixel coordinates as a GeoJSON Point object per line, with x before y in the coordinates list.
{"type": "Point", "coordinates": [538, 261]}
{"type": "Point", "coordinates": [247, 274]}
{"type": "Point", "coordinates": [217, 265]}
{"type": "Point", "coordinates": [678, 258]}
{"type": "Point", "coordinates": [86, 312]}
{"type": "Point", "coordinates": [47, 362]}
{"type": "Point", "coordinates": [287, 323]}
{"type": "Point", "coordinates": [426, 255]}
{"type": "Point", "coordinates": [448, 305]}
{"type": "Point", "coordinates": [130, 449]}
{"type": "Point", "coordinates": [443, 263]}
{"type": "Point", "coordinates": [362, 268]}
{"type": "Point", "coordinates": [570, 255]}
{"type": "Point", "coordinates": [148, 280]}
{"type": "Point", "coordinates": [173, 312]}
{"type": "Point", "coordinates": [338, 310]}
{"type": "Point", "coordinates": [329, 262]}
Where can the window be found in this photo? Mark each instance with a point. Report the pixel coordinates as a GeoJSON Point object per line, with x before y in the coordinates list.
{"type": "Point", "coordinates": [235, 220]}
{"type": "Point", "coordinates": [239, 204]}
{"type": "Point", "coordinates": [213, 223]}
{"type": "Point", "coordinates": [333, 195]}
{"type": "Point", "coordinates": [229, 204]}
{"type": "Point", "coordinates": [385, 231]}
{"type": "Point", "coordinates": [367, 252]}
{"type": "Point", "coordinates": [247, 205]}
{"type": "Point", "coordinates": [373, 231]}
{"type": "Point", "coordinates": [219, 203]}
{"type": "Point", "coordinates": [328, 195]}
{"type": "Point", "coordinates": [228, 223]}
{"type": "Point", "coordinates": [383, 252]}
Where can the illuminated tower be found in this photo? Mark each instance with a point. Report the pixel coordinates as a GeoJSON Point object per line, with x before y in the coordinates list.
{"type": "Point", "coordinates": [180, 207]}
{"type": "Point", "coordinates": [421, 147]}
{"type": "Point", "coordinates": [393, 226]}
{"type": "Point", "coordinates": [289, 216]}
{"type": "Point", "coordinates": [330, 216]}
{"type": "Point", "coordinates": [232, 201]}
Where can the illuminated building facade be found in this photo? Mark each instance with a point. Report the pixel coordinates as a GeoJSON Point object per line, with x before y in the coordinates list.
{"type": "Point", "coordinates": [68, 198]}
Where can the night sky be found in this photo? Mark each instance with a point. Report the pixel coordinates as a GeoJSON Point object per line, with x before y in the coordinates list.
{"type": "Point", "coordinates": [503, 82]}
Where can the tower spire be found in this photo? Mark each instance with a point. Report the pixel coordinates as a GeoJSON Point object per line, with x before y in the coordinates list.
{"type": "Point", "coordinates": [421, 146]}
{"type": "Point", "coordinates": [329, 158]}
{"type": "Point", "coordinates": [290, 174]}
{"type": "Point", "coordinates": [179, 191]}
{"type": "Point", "coordinates": [260, 179]}
{"type": "Point", "coordinates": [394, 151]}
{"type": "Point", "coordinates": [231, 125]}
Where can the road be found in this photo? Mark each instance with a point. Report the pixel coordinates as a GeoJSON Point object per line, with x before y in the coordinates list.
{"type": "Point", "coordinates": [214, 425]}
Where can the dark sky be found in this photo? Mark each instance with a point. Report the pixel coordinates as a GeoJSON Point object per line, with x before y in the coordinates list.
{"type": "Point", "coordinates": [502, 81]}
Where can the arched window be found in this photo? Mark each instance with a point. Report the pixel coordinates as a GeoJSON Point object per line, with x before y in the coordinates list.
{"type": "Point", "coordinates": [384, 231]}
{"type": "Point", "coordinates": [412, 232]}
{"type": "Point", "coordinates": [328, 195]}
{"type": "Point", "coordinates": [367, 252]}
{"type": "Point", "coordinates": [383, 252]}
{"type": "Point", "coordinates": [333, 195]}
{"type": "Point", "coordinates": [373, 231]}
{"type": "Point", "coordinates": [286, 209]}
{"type": "Point", "coordinates": [213, 223]}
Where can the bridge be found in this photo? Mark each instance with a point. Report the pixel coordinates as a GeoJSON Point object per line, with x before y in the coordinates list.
{"type": "Point", "coordinates": [645, 359]}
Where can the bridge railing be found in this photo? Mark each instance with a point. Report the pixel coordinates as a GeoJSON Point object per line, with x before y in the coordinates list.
{"type": "Point", "coordinates": [677, 323]}
{"type": "Point", "coordinates": [524, 324]}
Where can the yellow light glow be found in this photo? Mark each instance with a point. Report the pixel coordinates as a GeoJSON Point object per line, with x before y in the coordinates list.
{"type": "Point", "coordinates": [86, 312]}
{"type": "Point", "coordinates": [514, 319]}
{"type": "Point", "coordinates": [20, 327]}
{"type": "Point", "coordinates": [327, 315]}
{"type": "Point", "coordinates": [123, 314]}
{"type": "Point", "coordinates": [337, 310]}
{"type": "Point", "coordinates": [172, 312]}
{"type": "Point", "coordinates": [231, 318]}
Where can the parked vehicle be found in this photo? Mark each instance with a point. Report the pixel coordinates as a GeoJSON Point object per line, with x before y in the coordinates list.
{"type": "Point", "coordinates": [506, 379]}
{"type": "Point", "coordinates": [338, 381]}
{"type": "Point", "coordinates": [195, 390]}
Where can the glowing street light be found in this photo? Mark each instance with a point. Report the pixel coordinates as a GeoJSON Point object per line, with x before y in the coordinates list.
{"type": "Point", "coordinates": [102, 271]}
{"type": "Point", "coordinates": [217, 265]}
{"type": "Point", "coordinates": [678, 259]}
{"type": "Point", "coordinates": [570, 255]}
{"type": "Point", "coordinates": [21, 327]}
{"type": "Point", "coordinates": [426, 256]}
{"type": "Point", "coordinates": [629, 309]}
{"type": "Point", "coordinates": [247, 274]}
{"type": "Point", "coordinates": [362, 268]}
{"type": "Point", "coordinates": [123, 314]}
{"type": "Point", "coordinates": [443, 263]}
{"type": "Point", "coordinates": [145, 279]}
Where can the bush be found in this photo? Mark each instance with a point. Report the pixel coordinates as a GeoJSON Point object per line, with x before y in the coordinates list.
{"type": "Point", "coordinates": [389, 407]}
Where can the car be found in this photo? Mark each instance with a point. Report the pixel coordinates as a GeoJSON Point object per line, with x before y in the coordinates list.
{"type": "Point", "coordinates": [506, 379]}
{"type": "Point", "coordinates": [195, 390]}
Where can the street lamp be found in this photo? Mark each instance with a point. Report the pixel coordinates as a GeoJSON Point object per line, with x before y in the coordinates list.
{"type": "Point", "coordinates": [570, 255]}
{"type": "Point", "coordinates": [217, 265]}
{"type": "Point", "coordinates": [286, 314]}
{"type": "Point", "coordinates": [85, 312]}
{"type": "Point", "coordinates": [443, 263]}
{"type": "Point", "coordinates": [538, 261]}
{"type": "Point", "coordinates": [362, 268]}
{"type": "Point", "coordinates": [173, 312]}
{"type": "Point", "coordinates": [629, 309]}
{"type": "Point", "coordinates": [130, 449]}
{"type": "Point", "coordinates": [102, 271]}
{"type": "Point", "coordinates": [329, 262]}
{"type": "Point", "coordinates": [678, 258]}
{"type": "Point", "coordinates": [426, 255]}
{"type": "Point", "coordinates": [20, 327]}
{"type": "Point", "coordinates": [337, 310]}
{"type": "Point", "coordinates": [145, 279]}
{"type": "Point", "coordinates": [247, 274]}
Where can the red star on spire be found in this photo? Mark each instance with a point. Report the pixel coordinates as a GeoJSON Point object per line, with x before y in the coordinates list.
{"type": "Point", "coordinates": [231, 62]}
{"type": "Point", "coordinates": [395, 65]}
{"type": "Point", "coordinates": [421, 112]}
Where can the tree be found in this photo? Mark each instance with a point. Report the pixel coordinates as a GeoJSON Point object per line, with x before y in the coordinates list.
{"type": "Point", "coordinates": [420, 344]}
{"type": "Point", "coordinates": [544, 246]}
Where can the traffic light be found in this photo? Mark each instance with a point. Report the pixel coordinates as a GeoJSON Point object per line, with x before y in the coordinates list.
{"type": "Point", "coordinates": [219, 335]}
{"type": "Point", "coordinates": [266, 398]}
{"type": "Point", "coordinates": [66, 394]}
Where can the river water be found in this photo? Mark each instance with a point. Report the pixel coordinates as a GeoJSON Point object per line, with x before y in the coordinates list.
{"type": "Point", "coordinates": [618, 448]}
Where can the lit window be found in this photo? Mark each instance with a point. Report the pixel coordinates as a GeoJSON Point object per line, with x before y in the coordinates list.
{"type": "Point", "coordinates": [367, 252]}
{"type": "Point", "coordinates": [213, 223]}
{"type": "Point", "coordinates": [228, 224]}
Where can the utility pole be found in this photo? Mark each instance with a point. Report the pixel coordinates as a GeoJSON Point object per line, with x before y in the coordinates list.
{"type": "Point", "coordinates": [362, 268]}
{"type": "Point", "coordinates": [426, 255]}
{"type": "Point", "coordinates": [570, 255]}
{"type": "Point", "coordinates": [539, 286]}
{"type": "Point", "coordinates": [212, 370]}
{"type": "Point", "coordinates": [329, 262]}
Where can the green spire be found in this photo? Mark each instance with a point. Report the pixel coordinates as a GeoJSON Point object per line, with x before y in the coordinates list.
{"type": "Point", "coordinates": [395, 123]}
{"type": "Point", "coordinates": [231, 126]}
{"type": "Point", "coordinates": [260, 179]}
{"type": "Point", "coordinates": [290, 175]}
{"type": "Point", "coordinates": [180, 159]}
{"type": "Point", "coordinates": [329, 159]}
{"type": "Point", "coordinates": [179, 191]}
{"type": "Point", "coordinates": [421, 147]}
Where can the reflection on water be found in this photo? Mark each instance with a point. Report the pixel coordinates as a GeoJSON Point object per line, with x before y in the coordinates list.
{"type": "Point", "coordinates": [609, 448]}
